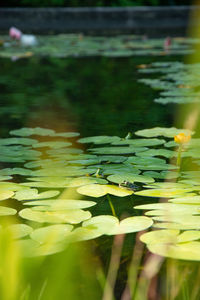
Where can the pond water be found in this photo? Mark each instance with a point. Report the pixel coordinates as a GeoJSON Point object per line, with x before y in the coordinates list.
{"type": "Point", "coordinates": [94, 96]}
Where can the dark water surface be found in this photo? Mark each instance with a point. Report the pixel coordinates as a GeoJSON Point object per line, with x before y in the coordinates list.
{"type": "Point", "coordinates": [95, 96]}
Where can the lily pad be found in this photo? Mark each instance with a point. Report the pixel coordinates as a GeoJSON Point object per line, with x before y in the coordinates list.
{"type": "Point", "coordinates": [185, 251]}
{"type": "Point", "coordinates": [51, 234]}
{"type": "Point", "coordinates": [52, 144]}
{"type": "Point", "coordinates": [99, 139]}
{"type": "Point", "coordinates": [140, 142]}
{"type": "Point", "coordinates": [33, 131]}
{"type": "Point", "coordinates": [163, 193]}
{"type": "Point", "coordinates": [96, 190]}
{"type": "Point", "coordinates": [129, 177]}
{"type": "Point", "coordinates": [63, 216]}
{"type": "Point", "coordinates": [110, 225]}
{"type": "Point", "coordinates": [162, 131]}
{"type": "Point", "coordinates": [5, 194]}
{"type": "Point", "coordinates": [117, 150]}
{"type": "Point", "coordinates": [20, 230]}
{"type": "Point", "coordinates": [61, 204]}
{"type": "Point", "coordinates": [29, 194]}
{"type": "Point", "coordinates": [7, 211]}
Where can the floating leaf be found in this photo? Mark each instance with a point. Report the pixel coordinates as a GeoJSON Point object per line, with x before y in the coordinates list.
{"type": "Point", "coordinates": [52, 144]}
{"type": "Point", "coordinates": [51, 234]}
{"type": "Point", "coordinates": [5, 194]}
{"type": "Point", "coordinates": [65, 216]}
{"type": "Point", "coordinates": [159, 152]}
{"type": "Point", "coordinates": [117, 150]}
{"type": "Point", "coordinates": [100, 139]}
{"type": "Point", "coordinates": [96, 190]}
{"type": "Point", "coordinates": [186, 251]}
{"type": "Point", "coordinates": [29, 194]}
{"type": "Point", "coordinates": [10, 186]}
{"type": "Point", "coordinates": [7, 211]}
{"type": "Point", "coordinates": [61, 204]}
{"type": "Point", "coordinates": [15, 141]}
{"type": "Point", "coordinates": [20, 230]}
{"type": "Point", "coordinates": [129, 177]}
{"type": "Point", "coordinates": [165, 193]}
{"type": "Point", "coordinates": [33, 131]}
{"type": "Point", "coordinates": [161, 131]}
{"type": "Point", "coordinates": [186, 200]}
{"type": "Point", "coordinates": [140, 142]}
{"type": "Point", "coordinates": [110, 225]}
{"type": "Point", "coordinates": [160, 237]}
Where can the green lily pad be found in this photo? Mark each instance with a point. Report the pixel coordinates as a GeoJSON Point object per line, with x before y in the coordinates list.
{"type": "Point", "coordinates": [99, 139]}
{"type": "Point", "coordinates": [51, 234]}
{"type": "Point", "coordinates": [146, 160]}
{"type": "Point", "coordinates": [52, 144]}
{"type": "Point", "coordinates": [161, 131]}
{"type": "Point", "coordinates": [163, 193]}
{"type": "Point", "coordinates": [96, 190]}
{"type": "Point", "coordinates": [61, 204]}
{"type": "Point", "coordinates": [186, 200]}
{"type": "Point", "coordinates": [63, 216]}
{"type": "Point", "coordinates": [140, 142]}
{"type": "Point", "coordinates": [67, 134]}
{"type": "Point", "coordinates": [160, 237]}
{"type": "Point", "coordinates": [7, 211]}
{"type": "Point", "coordinates": [170, 208]}
{"type": "Point", "coordinates": [5, 194]}
{"type": "Point", "coordinates": [33, 131]}
{"type": "Point", "coordinates": [129, 177]}
{"type": "Point", "coordinates": [110, 225]}
{"type": "Point", "coordinates": [11, 186]}
{"type": "Point", "coordinates": [159, 152]}
{"type": "Point", "coordinates": [20, 230]}
{"type": "Point", "coordinates": [29, 194]}
{"type": "Point", "coordinates": [16, 141]}
{"type": "Point", "coordinates": [185, 251]}
{"type": "Point", "coordinates": [83, 234]}
{"type": "Point", "coordinates": [117, 150]}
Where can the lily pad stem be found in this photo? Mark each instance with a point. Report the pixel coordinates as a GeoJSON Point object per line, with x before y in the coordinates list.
{"type": "Point", "coordinates": [111, 206]}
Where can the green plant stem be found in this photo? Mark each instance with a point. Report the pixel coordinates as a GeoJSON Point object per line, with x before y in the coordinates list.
{"type": "Point", "coordinates": [111, 206]}
{"type": "Point", "coordinates": [178, 162]}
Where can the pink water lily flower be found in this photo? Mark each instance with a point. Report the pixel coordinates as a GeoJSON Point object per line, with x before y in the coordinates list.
{"type": "Point", "coordinates": [15, 33]}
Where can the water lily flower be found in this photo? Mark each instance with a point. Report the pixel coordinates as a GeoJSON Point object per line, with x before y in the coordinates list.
{"type": "Point", "coordinates": [182, 138]}
{"type": "Point", "coordinates": [26, 40]}
{"type": "Point", "coordinates": [15, 33]}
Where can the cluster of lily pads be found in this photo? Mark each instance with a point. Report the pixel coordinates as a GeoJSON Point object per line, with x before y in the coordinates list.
{"type": "Point", "coordinates": [179, 83]}
{"type": "Point", "coordinates": [65, 45]}
{"type": "Point", "coordinates": [49, 183]}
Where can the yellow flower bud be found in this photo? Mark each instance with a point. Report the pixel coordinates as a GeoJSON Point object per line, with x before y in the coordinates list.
{"type": "Point", "coordinates": [181, 138]}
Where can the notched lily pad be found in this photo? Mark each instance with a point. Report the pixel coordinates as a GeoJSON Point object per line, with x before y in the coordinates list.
{"type": "Point", "coordinates": [62, 216]}
{"type": "Point", "coordinates": [111, 226]}
{"type": "Point", "coordinates": [96, 190]}
{"type": "Point", "coordinates": [162, 131]}
{"type": "Point", "coordinates": [29, 194]}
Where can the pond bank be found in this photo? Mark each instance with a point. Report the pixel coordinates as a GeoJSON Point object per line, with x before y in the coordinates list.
{"type": "Point", "coordinates": [152, 21]}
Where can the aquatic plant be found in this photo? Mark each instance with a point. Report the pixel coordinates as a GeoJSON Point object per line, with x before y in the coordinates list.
{"type": "Point", "coordinates": [55, 177]}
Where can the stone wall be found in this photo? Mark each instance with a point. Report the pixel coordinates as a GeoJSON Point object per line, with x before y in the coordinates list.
{"type": "Point", "coordinates": [152, 21]}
